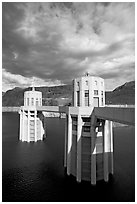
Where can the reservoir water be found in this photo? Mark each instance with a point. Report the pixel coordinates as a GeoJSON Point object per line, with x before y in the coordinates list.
{"type": "Point", "coordinates": [34, 171]}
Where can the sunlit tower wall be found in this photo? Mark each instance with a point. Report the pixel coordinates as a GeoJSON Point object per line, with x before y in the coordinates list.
{"type": "Point", "coordinates": [88, 91]}
{"type": "Point", "coordinates": [32, 125]}
{"type": "Point", "coordinates": [88, 140]}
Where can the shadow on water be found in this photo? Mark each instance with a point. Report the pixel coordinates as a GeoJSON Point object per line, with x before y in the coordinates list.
{"type": "Point", "coordinates": [35, 172]}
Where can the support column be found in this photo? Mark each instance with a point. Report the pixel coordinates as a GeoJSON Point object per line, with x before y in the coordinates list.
{"type": "Point", "coordinates": [79, 135]}
{"type": "Point", "coordinates": [20, 136]}
{"type": "Point", "coordinates": [28, 139]}
{"type": "Point", "coordinates": [107, 150]}
{"type": "Point", "coordinates": [65, 142]}
{"type": "Point", "coordinates": [41, 131]}
{"type": "Point", "coordinates": [93, 151]}
{"type": "Point", "coordinates": [42, 127]}
{"type": "Point", "coordinates": [23, 118]}
{"type": "Point", "coordinates": [35, 125]}
{"type": "Point", "coordinates": [44, 118]}
{"type": "Point", "coordinates": [69, 144]}
{"type": "Point", "coordinates": [93, 156]}
{"type": "Point", "coordinates": [111, 146]}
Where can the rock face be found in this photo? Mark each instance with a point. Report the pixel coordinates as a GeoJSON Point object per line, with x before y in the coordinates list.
{"type": "Point", "coordinates": [62, 95]}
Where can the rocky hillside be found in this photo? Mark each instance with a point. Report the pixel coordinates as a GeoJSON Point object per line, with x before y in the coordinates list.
{"type": "Point", "coordinates": [51, 95]}
{"type": "Point", "coordinates": [62, 95]}
{"type": "Point", "coordinates": [124, 94]}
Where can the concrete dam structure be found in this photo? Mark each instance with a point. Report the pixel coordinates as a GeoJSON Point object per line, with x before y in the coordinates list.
{"type": "Point", "coordinates": [88, 133]}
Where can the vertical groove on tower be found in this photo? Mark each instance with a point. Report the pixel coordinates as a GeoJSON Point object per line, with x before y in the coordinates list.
{"type": "Point", "coordinates": [69, 144]}
{"type": "Point", "coordinates": [79, 138]}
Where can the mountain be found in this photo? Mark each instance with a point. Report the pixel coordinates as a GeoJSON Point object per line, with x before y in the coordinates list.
{"type": "Point", "coordinates": [124, 94]}
{"type": "Point", "coordinates": [51, 95]}
{"type": "Point", "coordinates": [62, 95]}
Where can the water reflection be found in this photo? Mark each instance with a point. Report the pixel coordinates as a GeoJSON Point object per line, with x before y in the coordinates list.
{"type": "Point", "coordinates": [35, 172]}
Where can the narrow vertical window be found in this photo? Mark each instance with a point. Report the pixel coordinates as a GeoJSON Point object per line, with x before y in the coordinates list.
{"type": "Point", "coordinates": [32, 101]}
{"type": "Point", "coordinates": [37, 102]}
{"type": "Point", "coordinates": [86, 97]}
{"type": "Point", "coordinates": [102, 101]}
{"type": "Point", "coordinates": [28, 101]}
{"type": "Point", "coordinates": [78, 99]}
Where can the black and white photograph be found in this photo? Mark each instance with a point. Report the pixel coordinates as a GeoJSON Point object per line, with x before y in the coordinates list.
{"type": "Point", "coordinates": [68, 101]}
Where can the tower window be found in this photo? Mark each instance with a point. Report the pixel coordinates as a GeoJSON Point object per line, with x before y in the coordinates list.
{"type": "Point", "coordinates": [32, 101]}
{"type": "Point", "coordinates": [87, 83]}
{"type": "Point", "coordinates": [78, 83]}
{"type": "Point", "coordinates": [96, 82]}
{"type": "Point", "coordinates": [28, 101]}
{"type": "Point", "coordinates": [86, 97]}
{"type": "Point", "coordinates": [78, 98]}
{"type": "Point", "coordinates": [86, 93]}
{"type": "Point", "coordinates": [37, 102]}
{"type": "Point", "coordinates": [102, 93]}
{"type": "Point", "coordinates": [95, 92]}
{"type": "Point", "coordinates": [102, 101]}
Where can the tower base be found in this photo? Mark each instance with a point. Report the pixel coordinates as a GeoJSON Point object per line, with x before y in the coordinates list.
{"type": "Point", "coordinates": [32, 124]}
{"type": "Point", "coordinates": [88, 145]}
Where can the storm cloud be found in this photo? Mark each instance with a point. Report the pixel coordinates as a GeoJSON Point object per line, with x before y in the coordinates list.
{"type": "Point", "coordinates": [52, 43]}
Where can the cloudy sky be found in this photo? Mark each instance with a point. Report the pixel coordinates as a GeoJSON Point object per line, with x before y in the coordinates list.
{"type": "Point", "coordinates": [52, 43]}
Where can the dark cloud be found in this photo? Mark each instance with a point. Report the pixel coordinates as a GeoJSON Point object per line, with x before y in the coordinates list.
{"type": "Point", "coordinates": [60, 41]}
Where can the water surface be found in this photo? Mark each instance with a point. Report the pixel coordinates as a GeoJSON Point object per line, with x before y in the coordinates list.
{"type": "Point", "coordinates": [35, 172]}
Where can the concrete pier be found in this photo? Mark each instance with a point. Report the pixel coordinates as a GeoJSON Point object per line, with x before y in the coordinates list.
{"type": "Point", "coordinates": [108, 150]}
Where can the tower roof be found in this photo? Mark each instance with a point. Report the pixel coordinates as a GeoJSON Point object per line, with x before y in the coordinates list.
{"type": "Point", "coordinates": [33, 88]}
{"type": "Point", "coordinates": [87, 74]}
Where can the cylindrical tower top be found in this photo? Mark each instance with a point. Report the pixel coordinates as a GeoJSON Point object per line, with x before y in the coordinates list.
{"type": "Point", "coordinates": [32, 98]}
{"type": "Point", "coordinates": [88, 91]}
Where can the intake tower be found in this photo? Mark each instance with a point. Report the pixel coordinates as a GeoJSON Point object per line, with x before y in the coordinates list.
{"type": "Point", "coordinates": [31, 120]}
{"type": "Point", "coordinates": [88, 139]}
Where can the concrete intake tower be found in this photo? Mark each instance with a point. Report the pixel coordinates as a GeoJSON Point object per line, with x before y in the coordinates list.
{"type": "Point", "coordinates": [31, 120]}
{"type": "Point", "coordinates": [88, 139]}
